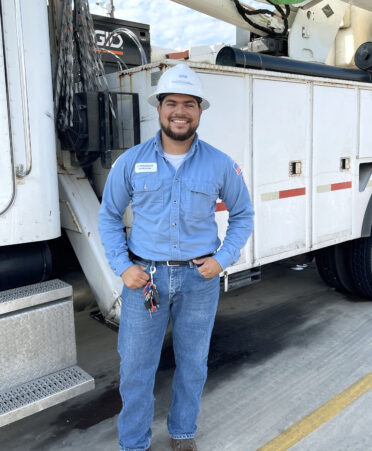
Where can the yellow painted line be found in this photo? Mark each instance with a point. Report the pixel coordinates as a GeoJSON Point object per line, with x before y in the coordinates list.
{"type": "Point", "coordinates": [369, 183]}
{"type": "Point", "coordinates": [320, 416]}
{"type": "Point", "coordinates": [323, 188]}
{"type": "Point", "coordinates": [270, 196]}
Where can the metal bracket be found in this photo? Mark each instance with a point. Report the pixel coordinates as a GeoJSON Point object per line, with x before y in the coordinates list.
{"type": "Point", "coordinates": [240, 279]}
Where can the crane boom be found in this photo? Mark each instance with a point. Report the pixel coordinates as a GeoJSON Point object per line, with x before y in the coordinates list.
{"type": "Point", "coordinates": [226, 11]}
{"type": "Point", "coordinates": [308, 40]}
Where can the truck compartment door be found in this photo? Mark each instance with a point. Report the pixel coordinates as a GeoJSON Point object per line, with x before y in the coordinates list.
{"type": "Point", "coordinates": [334, 152]}
{"type": "Point", "coordinates": [281, 149]}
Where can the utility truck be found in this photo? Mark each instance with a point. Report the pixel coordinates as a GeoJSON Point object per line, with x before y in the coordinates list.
{"type": "Point", "coordinates": [298, 128]}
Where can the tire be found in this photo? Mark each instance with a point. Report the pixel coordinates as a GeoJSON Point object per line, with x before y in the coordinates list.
{"type": "Point", "coordinates": [361, 265]}
{"type": "Point", "coordinates": [334, 266]}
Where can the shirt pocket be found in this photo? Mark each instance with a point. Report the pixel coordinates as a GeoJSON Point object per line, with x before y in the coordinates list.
{"type": "Point", "coordinates": [199, 199]}
{"type": "Point", "coordinates": [147, 194]}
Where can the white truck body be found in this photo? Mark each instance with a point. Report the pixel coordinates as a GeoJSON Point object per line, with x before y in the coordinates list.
{"type": "Point", "coordinates": [29, 204]}
{"type": "Point", "coordinates": [271, 123]}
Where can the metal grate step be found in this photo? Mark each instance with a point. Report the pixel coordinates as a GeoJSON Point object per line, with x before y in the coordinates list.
{"type": "Point", "coordinates": [26, 399]}
{"type": "Point", "coordinates": [32, 295]}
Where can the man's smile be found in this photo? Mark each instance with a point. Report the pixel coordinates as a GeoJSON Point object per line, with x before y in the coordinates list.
{"type": "Point", "coordinates": [179, 121]}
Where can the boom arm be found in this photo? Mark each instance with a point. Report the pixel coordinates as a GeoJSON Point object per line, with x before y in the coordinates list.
{"type": "Point", "coordinates": [313, 24]}
{"type": "Point", "coordinates": [226, 11]}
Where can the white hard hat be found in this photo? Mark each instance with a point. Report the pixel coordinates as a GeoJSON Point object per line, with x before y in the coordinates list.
{"type": "Point", "coordinates": [180, 79]}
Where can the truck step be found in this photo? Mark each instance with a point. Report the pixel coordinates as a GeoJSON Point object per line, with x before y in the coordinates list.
{"type": "Point", "coordinates": [38, 350]}
{"type": "Point", "coordinates": [31, 295]}
{"type": "Point", "coordinates": [39, 394]}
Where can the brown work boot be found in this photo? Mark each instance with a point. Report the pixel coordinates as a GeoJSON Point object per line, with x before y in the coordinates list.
{"type": "Point", "coordinates": [186, 444]}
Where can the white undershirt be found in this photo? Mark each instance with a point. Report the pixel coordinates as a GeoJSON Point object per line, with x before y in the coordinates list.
{"type": "Point", "coordinates": [175, 160]}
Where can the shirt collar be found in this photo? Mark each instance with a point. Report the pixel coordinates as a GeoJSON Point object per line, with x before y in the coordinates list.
{"type": "Point", "coordinates": [159, 147]}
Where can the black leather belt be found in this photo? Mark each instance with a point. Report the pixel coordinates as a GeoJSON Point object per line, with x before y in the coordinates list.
{"type": "Point", "coordinates": [167, 262]}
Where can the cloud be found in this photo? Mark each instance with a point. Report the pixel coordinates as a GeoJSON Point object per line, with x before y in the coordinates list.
{"type": "Point", "coordinates": [173, 25]}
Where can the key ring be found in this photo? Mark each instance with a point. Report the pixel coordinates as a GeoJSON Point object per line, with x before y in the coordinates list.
{"type": "Point", "coordinates": [152, 272]}
{"type": "Point", "coordinates": [147, 288]}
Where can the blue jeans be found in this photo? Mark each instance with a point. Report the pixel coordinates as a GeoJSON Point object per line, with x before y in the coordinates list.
{"type": "Point", "coordinates": [190, 301]}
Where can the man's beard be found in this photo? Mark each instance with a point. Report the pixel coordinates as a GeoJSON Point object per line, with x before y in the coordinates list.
{"type": "Point", "coordinates": [178, 136]}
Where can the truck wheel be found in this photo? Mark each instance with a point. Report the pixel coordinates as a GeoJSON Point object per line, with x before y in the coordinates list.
{"type": "Point", "coordinates": [334, 266]}
{"type": "Point", "coordinates": [361, 265]}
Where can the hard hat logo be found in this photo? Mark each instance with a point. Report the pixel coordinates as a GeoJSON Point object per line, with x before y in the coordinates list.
{"type": "Point", "coordinates": [180, 79]}
{"type": "Point", "coordinates": [181, 82]}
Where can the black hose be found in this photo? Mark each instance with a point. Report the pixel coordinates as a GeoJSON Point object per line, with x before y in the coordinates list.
{"type": "Point", "coordinates": [231, 56]}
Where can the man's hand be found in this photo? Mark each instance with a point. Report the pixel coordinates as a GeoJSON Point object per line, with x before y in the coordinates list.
{"type": "Point", "coordinates": [209, 267]}
{"type": "Point", "coordinates": [135, 277]}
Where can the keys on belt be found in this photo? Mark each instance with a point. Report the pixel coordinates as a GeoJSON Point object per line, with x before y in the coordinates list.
{"type": "Point", "coordinates": [152, 300]}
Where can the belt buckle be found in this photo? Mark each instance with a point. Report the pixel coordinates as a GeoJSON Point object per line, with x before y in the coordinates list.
{"type": "Point", "coordinates": [170, 265]}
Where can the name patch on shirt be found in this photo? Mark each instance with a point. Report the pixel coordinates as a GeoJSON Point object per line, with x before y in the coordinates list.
{"type": "Point", "coordinates": [146, 167]}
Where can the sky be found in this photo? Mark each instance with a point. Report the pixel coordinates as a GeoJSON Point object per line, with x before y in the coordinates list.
{"type": "Point", "coordinates": [172, 25]}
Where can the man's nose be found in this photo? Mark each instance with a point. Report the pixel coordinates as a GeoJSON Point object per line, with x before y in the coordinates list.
{"type": "Point", "coordinates": [179, 108]}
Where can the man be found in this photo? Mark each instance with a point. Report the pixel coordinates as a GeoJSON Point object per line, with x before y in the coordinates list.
{"type": "Point", "coordinates": [173, 181]}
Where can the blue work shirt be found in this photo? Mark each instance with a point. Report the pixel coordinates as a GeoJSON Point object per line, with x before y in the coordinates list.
{"type": "Point", "coordinates": [173, 210]}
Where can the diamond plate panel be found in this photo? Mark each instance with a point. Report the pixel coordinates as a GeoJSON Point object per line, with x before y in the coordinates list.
{"type": "Point", "coordinates": [35, 342]}
{"type": "Point", "coordinates": [30, 295]}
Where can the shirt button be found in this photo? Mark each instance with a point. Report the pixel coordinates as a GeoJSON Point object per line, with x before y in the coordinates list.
{"type": "Point", "coordinates": [174, 224]}
{"type": "Point", "coordinates": [174, 201]}
{"type": "Point", "coordinates": [176, 180]}
{"type": "Point", "coordinates": [174, 245]}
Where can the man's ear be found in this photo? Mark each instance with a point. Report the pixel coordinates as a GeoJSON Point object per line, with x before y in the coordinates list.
{"type": "Point", "coordinates": [158, 108]}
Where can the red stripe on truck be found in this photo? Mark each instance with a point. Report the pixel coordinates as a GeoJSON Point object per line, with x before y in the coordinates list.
{"type": "Point", "coordinates": [343, 185]}
{"type": "Point", "coordinates": [292, 193]}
